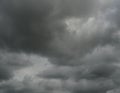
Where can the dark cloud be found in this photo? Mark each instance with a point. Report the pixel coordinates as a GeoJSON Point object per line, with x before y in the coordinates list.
{"type": "Point", "coordinates": [33, 24]}
{"type": "Point", "coordinates": [5, 73]}
{"type": "Point", "coordinates": [79, 39]}
{"type": "Point", "coordinates": [94, 71]}
{"type": "Point", "coordinates": [9, 62]}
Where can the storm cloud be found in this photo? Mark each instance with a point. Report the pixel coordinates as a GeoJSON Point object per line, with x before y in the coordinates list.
{"type": "Point", "coordinates": [32, 25]}
{"type": "Point", "coordinates": [59, 46]}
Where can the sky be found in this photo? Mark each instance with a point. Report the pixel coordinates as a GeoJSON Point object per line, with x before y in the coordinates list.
{"type": "Point", "coordinates": [59, 46]}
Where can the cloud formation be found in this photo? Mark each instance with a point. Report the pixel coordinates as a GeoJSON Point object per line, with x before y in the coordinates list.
{"type": "Point", "coordinates": [33, 24]}
{"type": "Point", "coordinates": [11, 61]}
{"type": "Point", "coordinates": [59, 46]}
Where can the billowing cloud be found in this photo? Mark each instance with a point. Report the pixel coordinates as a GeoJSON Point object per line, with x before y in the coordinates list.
{"type": "Point", "coordinates": [11, 61]}
{"type": "Point", "coordinates": [59, 46]}
{"type": "Point", "coordinates": [31, 25]}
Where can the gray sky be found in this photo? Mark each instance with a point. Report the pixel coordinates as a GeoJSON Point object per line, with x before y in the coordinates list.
{"type": "Point", "coordinates": [59, 46]}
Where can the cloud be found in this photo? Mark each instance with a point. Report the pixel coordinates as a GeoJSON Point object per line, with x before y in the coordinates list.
{"type": "Point", "coordinates": [33, 24]}
{"type": "Point", "coordinates": [114, 91]}
{"type": "Point", "coordinates": [78, 41]}
{"type": "Point", "coordinates": [11, 61]}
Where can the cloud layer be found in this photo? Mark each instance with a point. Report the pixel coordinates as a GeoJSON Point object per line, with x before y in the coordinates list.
{"type": "Point", "coordinates": [59, 46]}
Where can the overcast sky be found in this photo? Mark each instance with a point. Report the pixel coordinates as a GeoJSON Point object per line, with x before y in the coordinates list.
{"type": "Point", "coordinates": [59, 46]}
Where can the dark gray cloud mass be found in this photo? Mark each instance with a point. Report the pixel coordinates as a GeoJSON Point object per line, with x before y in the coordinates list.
{"type": "Point", "coordinates": [31, 25]}
{"type": "Point", "coordinates": [78, 40]}
{"type": "Point", "coordinates": [11, 61]}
